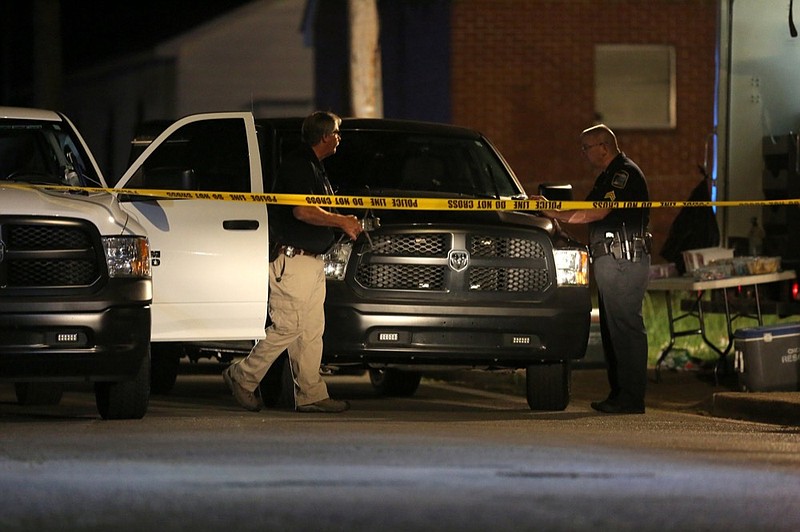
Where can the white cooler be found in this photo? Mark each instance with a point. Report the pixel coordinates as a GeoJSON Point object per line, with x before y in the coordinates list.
{"type": "Point", "coordinates": [768, 358]}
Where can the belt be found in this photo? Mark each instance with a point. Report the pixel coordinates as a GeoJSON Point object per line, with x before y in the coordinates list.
{"type": "Point", "coordinates": [291, 251]}
{"type": "Point", "coordinates": [632, 250]}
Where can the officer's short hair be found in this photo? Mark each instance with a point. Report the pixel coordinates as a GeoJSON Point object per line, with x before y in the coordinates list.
{"type": "Point", "coordinates": [317, 125]}
{"type": "Point", "coordinates": [603, 132]}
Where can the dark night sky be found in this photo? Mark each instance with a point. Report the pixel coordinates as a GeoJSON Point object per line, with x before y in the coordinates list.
{"type": "Point", "coordinates": [96, 30]}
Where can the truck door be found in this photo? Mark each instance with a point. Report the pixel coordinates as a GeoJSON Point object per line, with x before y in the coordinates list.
{"type": "Point", "coordinates": [209, 257]}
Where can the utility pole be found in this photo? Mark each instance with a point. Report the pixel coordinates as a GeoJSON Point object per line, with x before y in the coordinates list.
{"type": "Point", "coordinates": [366, 92]}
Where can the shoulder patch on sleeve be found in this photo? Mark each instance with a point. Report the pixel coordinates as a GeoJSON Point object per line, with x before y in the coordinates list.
{"type": "Point", "coordinates": [620, 179]}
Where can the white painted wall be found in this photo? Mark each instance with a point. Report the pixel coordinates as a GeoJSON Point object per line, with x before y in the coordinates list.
{"type": "Point", "coordinates": [252, 59]}
{"type": "Point", "coordinates": [764, 96]}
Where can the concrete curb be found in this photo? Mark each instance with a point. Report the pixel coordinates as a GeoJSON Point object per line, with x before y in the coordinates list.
{"type": "Point", "coordinates": [677, 391]}
{"type": "Point", "coordinates": [782, 408]}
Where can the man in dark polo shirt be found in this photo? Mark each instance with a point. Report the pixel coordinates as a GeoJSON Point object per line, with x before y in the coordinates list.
{"type": "Point", "coordinates": [296, 277]}
{"type": "Point", "coordinates": [619, 244]}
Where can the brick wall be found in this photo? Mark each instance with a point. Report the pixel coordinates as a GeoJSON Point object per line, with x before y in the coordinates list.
{"type": "Point", "coordinates": [522, 73]}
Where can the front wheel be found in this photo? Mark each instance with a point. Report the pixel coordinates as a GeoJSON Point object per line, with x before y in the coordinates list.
{"type": "Point", "coordinates": [125, 399]}
{"type": "Point", "coordinates": [394, 382]}
{"type": "Point", "coordinates": [548, 385]}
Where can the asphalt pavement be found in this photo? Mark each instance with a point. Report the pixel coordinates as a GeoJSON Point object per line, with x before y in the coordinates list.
{"type": "Point", "coordinates": [696, 392]}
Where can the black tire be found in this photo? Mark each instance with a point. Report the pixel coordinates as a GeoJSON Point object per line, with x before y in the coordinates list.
{"type": "Point", "coordinates": [165, 359]}
{"type": "Point", "coordinates": [548, 385]}
{"type": "Point", "coordinates": [277, 386]}
{"type": "Point", "coordinates": [125, 399]}
{"type": "Point", "coordinates": [392, 382]}
{"type": "Point", "coordinates": [38, 393]}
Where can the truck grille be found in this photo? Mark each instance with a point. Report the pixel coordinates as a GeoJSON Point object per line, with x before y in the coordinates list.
{"type": "Point", "coordinates": [496, 263]}
{"type": "Point", "coordinates": [48, 253]}
{"type": "Point", "coordinates": [489, 246]}
{"type": "Point", "coordinates": [423, 245]}
{"type": "Point", "coordinates": [401, 276]}
{"type": "Point", "coordinates": [507, 279]}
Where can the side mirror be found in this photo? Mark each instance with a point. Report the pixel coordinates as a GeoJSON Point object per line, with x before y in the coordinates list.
{"type": "Point", "coordinates": [556, 192]}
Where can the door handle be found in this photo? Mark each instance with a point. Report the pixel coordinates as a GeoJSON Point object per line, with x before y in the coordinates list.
{"type": "Point", "coordinates": [240, 225]}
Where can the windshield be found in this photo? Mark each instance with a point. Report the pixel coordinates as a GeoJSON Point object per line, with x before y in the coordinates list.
{"type": "Point", "coordinates": [43, 153]}
{"type": "Point", "coordinates": [381, 160]}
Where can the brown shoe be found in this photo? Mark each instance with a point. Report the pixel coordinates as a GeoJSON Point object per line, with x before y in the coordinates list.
{"type": "Point", "coordinates": [329, 405]}
{"type": "Point", "coordinates": [245, 398]}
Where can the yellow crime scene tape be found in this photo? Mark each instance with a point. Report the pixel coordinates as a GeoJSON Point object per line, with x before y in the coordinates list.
{"type": "Point", "coordinates": [407, 203]}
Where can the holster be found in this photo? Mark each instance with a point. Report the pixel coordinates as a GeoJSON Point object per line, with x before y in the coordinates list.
{"type": "Point", "coordinates": [274, 249]}
{"type": "Point", "coordinates": [633, 249]}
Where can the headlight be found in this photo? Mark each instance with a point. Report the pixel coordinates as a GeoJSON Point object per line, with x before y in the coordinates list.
{"type": "Point", "coordinates": [127, 256]}
{"type": "Point", "coordinates": [572, 267]}
{"type": "Point", "coordinates": [336, 260]}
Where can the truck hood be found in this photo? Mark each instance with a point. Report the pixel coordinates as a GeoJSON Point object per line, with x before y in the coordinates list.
{"type": "Point", "coordinates": [423, 217]}
{"type": "Point", "coordinates": [522, 219]}
{"type": "Point", "coordinates": [100, 208]}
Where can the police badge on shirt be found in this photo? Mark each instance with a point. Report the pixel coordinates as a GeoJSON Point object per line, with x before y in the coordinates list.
{"type": "Point", "coordinates": [620, 179]}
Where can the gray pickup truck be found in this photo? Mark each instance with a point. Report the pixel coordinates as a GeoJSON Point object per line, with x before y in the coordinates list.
{"type": "Point", "coordinates": [422, 289]}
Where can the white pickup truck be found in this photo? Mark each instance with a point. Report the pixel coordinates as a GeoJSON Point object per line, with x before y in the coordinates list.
{"type": "Point", "coordinates": [75, 286]}
{"type": "Point", "coordinates": [77, 291]}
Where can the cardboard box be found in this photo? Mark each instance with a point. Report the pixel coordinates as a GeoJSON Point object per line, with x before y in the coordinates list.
{"type": "Point", "coordinates": [695, 258]}
{"type": "Point", "coordinates": [767, 358]}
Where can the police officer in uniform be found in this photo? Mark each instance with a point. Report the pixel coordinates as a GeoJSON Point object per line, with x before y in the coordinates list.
{"type": "Point", "coordinates": [296, 277]}
{"type": "Point", "coordinates": [619, 244]}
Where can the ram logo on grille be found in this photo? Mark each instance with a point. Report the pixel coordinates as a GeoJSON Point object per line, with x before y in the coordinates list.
{"type": "Point", "coordinates": [458, 259]}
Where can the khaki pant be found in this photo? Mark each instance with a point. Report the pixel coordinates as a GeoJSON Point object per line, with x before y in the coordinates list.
{"type": "Point", "coordinates": [298, 321]}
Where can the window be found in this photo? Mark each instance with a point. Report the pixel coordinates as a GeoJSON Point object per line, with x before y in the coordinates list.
{"type": "Point", "coordinates": [635, 86]}
{"type": "Point", "coordinates": [209, 155]}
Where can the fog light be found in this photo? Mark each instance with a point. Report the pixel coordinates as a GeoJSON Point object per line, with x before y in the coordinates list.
{"type": "Point", "coordinates": [394, 338]}
{"type": "Point", "coordinates": [527, 341]}
{"type": "Point", "coordinates": [66, 338]}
